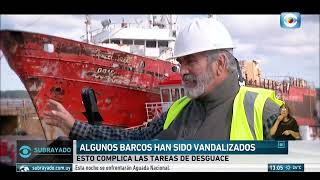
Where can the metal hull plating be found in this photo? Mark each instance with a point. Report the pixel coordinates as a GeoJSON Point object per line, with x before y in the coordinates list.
{"type": "Point", "coordinates": [57, 68]}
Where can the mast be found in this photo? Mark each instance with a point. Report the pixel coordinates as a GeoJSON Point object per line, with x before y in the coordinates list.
{"type": "Point", "coordinates": [150, 21]}
{"type": "Point", "coordinates": [88, 27]}
{"type": "Point", "coordinates": [172, 20]}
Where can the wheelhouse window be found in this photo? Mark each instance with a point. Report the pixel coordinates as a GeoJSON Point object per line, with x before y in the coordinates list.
{"type": "Point", "coordinates": [115, 41]}
{"type": "Point", "coordinates": [163, 43]}
{"type": "Point", "coordinates": [182, 92]}
{"type": "Point", "coordinates": [127, 41]}
{"type": "Point", "coordinates": [151, 44]}
{"type": "Point", "coordinates": [165, 95]}
{"type": "Point", "coordinates": [175, 94]}
{"type": "Point", "coordinates": [139, 42]}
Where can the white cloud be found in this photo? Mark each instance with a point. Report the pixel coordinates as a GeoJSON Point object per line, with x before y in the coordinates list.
{"type": "Point", "coordinates": [57, 25]}
{"type": "Point", "coordinates": [244, 50]}
{"type": "Point", "coordinates": [279, 51]}
{"type": "Point", "coordinates": [250, 26]}
{"type": "Point", "coordinates": [291, 51]}
{"type": "Point", "coordinates": [305, 35]}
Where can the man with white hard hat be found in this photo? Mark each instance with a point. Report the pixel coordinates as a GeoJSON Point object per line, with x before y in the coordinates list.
{"type": "Point", "coordinates": [216, 106]}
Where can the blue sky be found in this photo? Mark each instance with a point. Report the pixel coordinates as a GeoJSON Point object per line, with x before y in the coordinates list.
{"type": "Point", "coordinates": [280, 52]}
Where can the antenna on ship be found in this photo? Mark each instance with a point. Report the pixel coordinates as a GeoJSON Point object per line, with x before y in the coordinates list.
{"type": "Point", "coordinates": [172, 21]}
{"type": "Point", "coordinates": [150, 21]}
{"type": "Point", "coordinates": [88, 26]}
{"type": "Point", "coordinates": [105, 23]}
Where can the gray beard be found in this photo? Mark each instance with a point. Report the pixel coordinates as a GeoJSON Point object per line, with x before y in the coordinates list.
{"type": "Point", "coordinates": [202, 82]}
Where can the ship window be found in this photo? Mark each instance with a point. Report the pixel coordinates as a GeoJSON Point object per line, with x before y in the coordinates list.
{"type": "Point", "coordinates": [175, 94]}
{"type": "Point", "coordinates": [127, 41]}
{"type": "Point", "coordinates": [142, 64]}
{"type": "Point", "coordinates": [48, 48]}
{"type": "Point", "coordinates": [138, 42]}
{"type": "Point", "coordinates": [175, 68]}
{"type": "Point", "coordinates": [114, 41]}
{"type": "Point", "coordinates": [151, 44]}
{"type": "Point", "coordinates": [182, 92]}
{"type": "Point", "coordinates": [163, 43]}
{"type": "Point", "coordinates": [165, 95]}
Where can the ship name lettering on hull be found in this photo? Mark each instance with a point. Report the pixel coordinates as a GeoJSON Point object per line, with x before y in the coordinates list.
{"type": "Point", "coordinates": [104, 56]}
{"type": "Point", "coordinates": [114, 57]}
{"type": "Point", "coordinates": [104, 73]}
{"type": "Point", "coordinates": [124, 60]}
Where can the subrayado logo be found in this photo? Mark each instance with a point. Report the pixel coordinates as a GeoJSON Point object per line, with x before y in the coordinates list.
{"type": "Point", "coordinates": [25, 151]}
{"type": "Point", "coordinates": [290, 20]}
{"type": "Point", "coordinates": [24, 168]}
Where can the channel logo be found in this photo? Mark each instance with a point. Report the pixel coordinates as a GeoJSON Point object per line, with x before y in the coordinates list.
{"type": "Point", "coordinates": [24, 169]}
{"type": "Point", "coordinates": [290, 20]}
{"type": "Point", "coordinates": [25, 151]}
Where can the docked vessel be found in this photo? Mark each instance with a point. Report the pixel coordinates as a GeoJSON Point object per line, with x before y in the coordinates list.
{"type": "Point", "coordinates": [123, 80]}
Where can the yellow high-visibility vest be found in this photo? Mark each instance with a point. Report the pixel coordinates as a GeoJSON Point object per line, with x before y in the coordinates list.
{"type": "Point", "coordinates": [247, 121]}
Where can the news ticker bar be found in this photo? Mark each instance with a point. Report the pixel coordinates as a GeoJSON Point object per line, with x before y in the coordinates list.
{"type": "Point", "coordinates": [181, 147]}
{"type": "Point", "coordinates": [198, 156]}
{"type": "Point", "coordinates": [156, 167]}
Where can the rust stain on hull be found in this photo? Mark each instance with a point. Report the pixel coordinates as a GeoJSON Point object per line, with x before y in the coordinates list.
{"type": "Point", "coordinates": [123, 82]}
{"type": "Point", "coordinates": [33, 86]}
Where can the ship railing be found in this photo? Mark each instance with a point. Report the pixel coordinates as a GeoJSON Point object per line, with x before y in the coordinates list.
{"type": "Point", "coordinates": [281, 87]}
{"type": "Point", "coordinates": [155, 109]}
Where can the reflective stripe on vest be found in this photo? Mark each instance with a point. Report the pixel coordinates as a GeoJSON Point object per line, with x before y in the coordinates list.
{"type": "Point", "coordinates": [247, 122]}
{"type": "Point", "coordinates": [175, 109]}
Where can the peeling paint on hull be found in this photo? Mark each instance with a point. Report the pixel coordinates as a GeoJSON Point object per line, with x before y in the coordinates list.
{"type": "Point", "coordinates": [123, 82]}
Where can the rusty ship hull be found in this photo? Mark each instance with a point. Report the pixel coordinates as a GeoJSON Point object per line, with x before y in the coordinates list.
{"type": "Point", "coordinates": [299, 98]}
{"type": "Point", "coordinates": [123, 82]}
{"type": "Point", "coordinates": [301, 102]}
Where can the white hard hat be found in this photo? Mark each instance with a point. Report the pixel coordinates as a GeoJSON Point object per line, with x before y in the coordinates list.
{"type": "Point", "coordinates": [202, 35]}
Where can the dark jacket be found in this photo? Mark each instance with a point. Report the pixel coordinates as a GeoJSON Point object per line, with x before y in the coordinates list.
{"type": "Point", "coordinates": [210, 117]}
